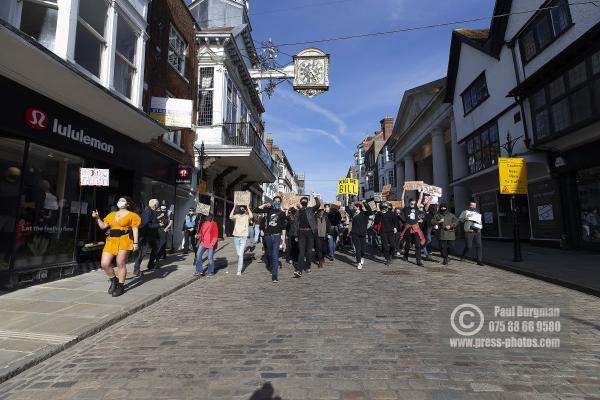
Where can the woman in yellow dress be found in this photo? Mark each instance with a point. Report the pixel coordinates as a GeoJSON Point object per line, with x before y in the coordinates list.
{"type": "Point", "coordinates": [122, 239]}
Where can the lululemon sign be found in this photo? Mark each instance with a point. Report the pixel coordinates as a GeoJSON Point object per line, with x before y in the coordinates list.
{"type": "Point", "coordinates": [36, 119]}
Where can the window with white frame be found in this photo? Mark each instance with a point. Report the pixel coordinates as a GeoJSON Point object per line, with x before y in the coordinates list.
{"type": "Point", "coordinates": [177, 50]}
{"type": "Point", "coordinates": [232, 99]}
{"type": "Point", "coordinates": [205, 96]}
{"type": "Point", "coordinates": [391, 177]}
{"type": "Point", "coordinates": [125, 53]}
{"type": "Point", "coordinates": [90, 39]}
{"type": "Point", "coordinates": [38, 20]}
{"type": "Point", "coordinates": [173, 137]}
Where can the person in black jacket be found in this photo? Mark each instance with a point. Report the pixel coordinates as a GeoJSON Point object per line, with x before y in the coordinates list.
{"type": "Point", "coordinates": [307, 230]}
{"type": "Point", "coordinates": [323, 229]}
{"type": "Point", "coordinates": [275, 225]}
{"type": "Point", "coordinates": [148, 237]}
{"type": "Point", "coordinates": [360, 220]}
{"type": "Point", "coordinates": [335, 219]}
{"type": "Point", "coordinates": [390, 226]}
{"type": "Point", "coordinates": [292, 235]}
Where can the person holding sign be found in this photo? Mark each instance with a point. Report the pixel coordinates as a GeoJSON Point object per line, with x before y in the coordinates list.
{"type": "Point", "coordinates": [360, 220]}
{"type": "Point", "coordinates": [307, 230]}
{"type": "Point", "coordinates": [471, 220]}
{"type": "Point", "coordinates": [414, 214]}
{"type": "Point", "coordinates": [241, 215]}
{"type": "Point", "coordinates": [122, 239]}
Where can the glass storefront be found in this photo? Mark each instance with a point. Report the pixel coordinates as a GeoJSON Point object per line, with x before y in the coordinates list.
{"type": "Point", "coordinates": [153, 189]}
{"type": "Point", "coordinates": [11, 170]}
{"type": "Point", "coordinates": [49, 208]}
{"type": "Point", "coordinates": [588, 188]}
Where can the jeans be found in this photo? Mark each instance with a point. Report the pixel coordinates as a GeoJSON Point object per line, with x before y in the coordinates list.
{"type": "Point", "coordinates": [256, 233]}
{"type": "Point", "coordinates": [211, 259]}
{"type": "Point", "coordinates": [149, 245]}
{"type": "Point", "coordinates": [427, 241]}
{"type": "Point", "coordinates": [272, 243]}
{"type": "Point", "coordinates": [240, 246]}
{"type": "Point", "coordinates": [331, 245]}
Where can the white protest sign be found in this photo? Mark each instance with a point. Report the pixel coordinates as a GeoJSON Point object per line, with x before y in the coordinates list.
{"type": "Point", "coordinates": [94, 177]}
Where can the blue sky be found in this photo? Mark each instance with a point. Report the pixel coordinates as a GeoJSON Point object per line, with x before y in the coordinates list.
{"type": "Point", "coordinates": [367, 76]}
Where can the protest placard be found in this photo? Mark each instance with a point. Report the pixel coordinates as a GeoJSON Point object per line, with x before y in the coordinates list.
{"type": "Point", "coordinates": [395, 204]}
{"type": "Point", "coordinates": [413, 185]}
{"type": "Point", "coordinates": [203, 209]}
{"type": "Point", "coordinates": [372, 205]}
{"type": "Point", "coordinates": [432, 190]}
{"type": "Point", "coordinates": [289, 200]}
{"type": "Point", "coordinates": [242, 198]}
{"type": "Point", "coordinates": [336, 204]}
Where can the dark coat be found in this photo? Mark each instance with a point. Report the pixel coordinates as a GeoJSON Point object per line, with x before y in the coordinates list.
{"type": "Point", "coordinates": [389, 220]}
{"type": "Point", "coordinates": [148, 229]}
{"type": "Point", "coordinates": [311, 215]}
{"type": "Point", "coordinates": [360, 221]}
{"type": "Point", "coordinates": [448, 219]}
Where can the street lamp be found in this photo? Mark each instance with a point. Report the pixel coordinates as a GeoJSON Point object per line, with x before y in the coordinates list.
{"type": "Point", "coordinates": [517, 255]}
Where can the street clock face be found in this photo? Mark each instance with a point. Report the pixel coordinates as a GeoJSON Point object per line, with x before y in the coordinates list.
{"type": "Point", "coordinates": [311, 72]}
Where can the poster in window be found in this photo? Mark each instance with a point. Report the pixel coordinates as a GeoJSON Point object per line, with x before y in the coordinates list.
{"type": "Point", "coordinates": [545, 212]}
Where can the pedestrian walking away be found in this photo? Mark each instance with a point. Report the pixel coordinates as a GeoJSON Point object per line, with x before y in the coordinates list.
{"type": "Point", "coordinates": [242, 216]}
{"type": "Point", "coordinates": [414, 214]}
{"type": "Point", "coordinates": [389, 226]}
{"type": "Point", "coordinates": [307, 229]}
{"type": "Point", "coordinates": [122, 239]}
{"type": "Point", "coordinates": [275, 222]}
{"type": "Point", "coordinates": [471, 220]}
{"type": "Point", "coordinates": [447, 223]}
{"type": "Point", "coordinates": [189, 229]}
{"type": "Point", "coordinates": [359, 213]}
{"type": "Point", "coordinates": [321, 238]}
{"type": "Point", "coordinates": [208, 236]}
{"type": "Point", "coordinates": [148, 237]}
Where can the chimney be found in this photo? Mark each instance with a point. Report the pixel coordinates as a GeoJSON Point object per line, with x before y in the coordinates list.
{"type": "Point", "coordinates": [387, 126]}
{"type": "Point", "coordinates": [270, 143]}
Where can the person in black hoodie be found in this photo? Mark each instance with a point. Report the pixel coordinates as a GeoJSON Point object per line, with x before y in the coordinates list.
{"type": "Point", "coordinates": [360, 219]}
{"type": "Point", "coordinates": [335, 219]}
{"type": "Point", "coordinates": [148, 237]}
{"type": "Point", "coordinates": [307, 230]}
{"type": "Point", "coordinates": [389, 227]}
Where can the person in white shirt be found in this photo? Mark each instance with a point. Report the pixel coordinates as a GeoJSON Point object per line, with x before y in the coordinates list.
{"type": "Point", "coordinates": [241, 215]}
{"type": "Point", "coordinates": [471, 220]}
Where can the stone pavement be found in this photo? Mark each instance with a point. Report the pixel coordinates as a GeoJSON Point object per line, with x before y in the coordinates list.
{"type": "Point", "coordinates": [337, 333]}
{"type": "Point", "coordinates": [575, 269]}
{"type": "Point", "coordinates": [39, 321]}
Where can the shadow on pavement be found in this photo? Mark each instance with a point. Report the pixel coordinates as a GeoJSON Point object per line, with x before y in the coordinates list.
{"type": "Point", "coordinates": [266, 392]}
{"type": "Point", "coordinates": [149, 275]}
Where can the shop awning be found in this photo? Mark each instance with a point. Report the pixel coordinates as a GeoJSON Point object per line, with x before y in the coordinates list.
{"type": "Point", "coordinates": [28, 63]}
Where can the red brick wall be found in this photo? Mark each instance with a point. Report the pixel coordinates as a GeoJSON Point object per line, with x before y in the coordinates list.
{"type": "Point", "coordinates": [161, 77]}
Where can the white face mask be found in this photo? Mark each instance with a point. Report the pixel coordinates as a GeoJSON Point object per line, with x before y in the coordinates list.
{"type": "Point", "coordinates": [121, 204]}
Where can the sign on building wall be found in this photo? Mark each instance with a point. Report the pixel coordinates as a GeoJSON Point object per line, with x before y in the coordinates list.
{"type": "Point", "coordinates": [184, 175]}
{"type": "Point", "coordinates": [94, 177]}
{"type": "Point", "coordinates": [176, 113]}
{"type": "Point", "coordinates": [348, 186]}
{"type": "Point", "coordinates": [513, 175]}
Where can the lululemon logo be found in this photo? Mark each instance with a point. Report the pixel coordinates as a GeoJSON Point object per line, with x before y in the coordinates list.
{"type": "Point", "coordinates": [36, 119]}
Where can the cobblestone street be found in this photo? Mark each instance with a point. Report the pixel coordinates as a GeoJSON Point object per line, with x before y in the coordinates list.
{"type": "Point", "coordinates": [337, 333]}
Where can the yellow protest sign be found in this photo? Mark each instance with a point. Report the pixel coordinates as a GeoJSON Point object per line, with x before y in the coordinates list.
{"type": "Point", "coordinates": [513, 175]}
{"type": "Point", "coordinates": [348, 186]}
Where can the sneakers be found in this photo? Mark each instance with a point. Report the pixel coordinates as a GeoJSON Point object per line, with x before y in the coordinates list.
{"type": "Point", "coordinates": [297, 274]}
{"type": "Point", "coordinates": [198, 274]}
{"type": "Point", "coordinates": [239, 274]}
{"type": "Point", "coordinates": [137, 274]}
{"type": "Point", "coordinates": [308, 271]}
{"type": "Point", "coordinates": [274, 280]}
{"type": "Point", "coordinates": [360, 265]}
{"type": "Point", "coordinates": [119, 289]}
{"type": "Point", "coordinates": [113, 284]}
{"type": "Point", "coordinates": [420, 264]}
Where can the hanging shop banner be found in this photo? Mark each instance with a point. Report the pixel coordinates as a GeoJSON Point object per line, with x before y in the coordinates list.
{"type": "Point", "coordinates": [242, 198]}
{"type": "Point", "coordinates": [184, 175]}
{"type": "Point", "coordinates": [203, 209]}
{"type": "Point", "coordinates": [94, 177]}
{"type": "Point", "coordinates": [348, 186]}
{"type": "Point", "coordinates": [175, 113]}
{"type": "Point", "coordinates": [513, 175]}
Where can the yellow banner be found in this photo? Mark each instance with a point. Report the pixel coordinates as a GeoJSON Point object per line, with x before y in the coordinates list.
{"type": "Point", "coordinates": [513, 175]}
{"type": "Point", "coordinates": [202, 188]}
{"type": "Point", "coordinates": [348, 186]}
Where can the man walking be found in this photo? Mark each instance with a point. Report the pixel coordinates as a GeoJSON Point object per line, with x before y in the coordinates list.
{"type": "Point", "coordinates": [389, 225]}
{"type": "Point", "coordinates": [148, 237]}
{"type": "Point", "coordinates": [165, 220]}
{"type": "Point", "coordinates": [274, 233]}
{"type": "Point", "coordinates": [471, 220]}
{"type": "Point", "coordinates": [447, 223]}
{"type": "Point", "coordinates": [307, 229]}
{"type": "Point", "coordinates": [190, 227]}
{"type": "Point", "coordinates": [335, 219]}
{"type": "Point", "coordinates": [414, 215]}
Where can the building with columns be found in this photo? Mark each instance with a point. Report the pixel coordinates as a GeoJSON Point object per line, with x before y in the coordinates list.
{"type": "Point", "coordinates": [421, 141]}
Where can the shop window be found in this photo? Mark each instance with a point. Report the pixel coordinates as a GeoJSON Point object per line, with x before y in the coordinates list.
{"type": "Point", "coordinates": [125, 52]}
{"type": "Point", "coordinates": [483, 148]}
{"type": "Point", "coordinates": [49, 210]}
{"type": "Point", "coordinates": [177, 50]}
{"type": "Point", "coordinates": [545, 28]}
{"type": "Point", "coordinates": [205, 98]}
{"type": "Point", "coordinates": [38, 20]}
{"type": "Point", "coordinates": [90, 39]}
{"type": "Point", "coordinates": [588, 187]}
{"type": "Point", "coordinates": [11, 173]}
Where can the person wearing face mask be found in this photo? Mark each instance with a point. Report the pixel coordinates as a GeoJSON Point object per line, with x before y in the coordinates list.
{"type": "Point", "coordinates": [323, 229]}
{"type": "Point", "coordinates": [398, 243]}
{"type": "Point", "coordinates": [148, 237]}
{"type": "Point", "coordinates": [275, 222]}
{"type": "Point", "coordinates": [471, 220]}
{"type": "Point", "coordinates": [241, 215]}
{"type": "Point", "coordinates": [165, 218]}
{"type": "Point", "coordinates": [307, 230]}
{"type": "Point", "coordinates": [189, 229]}
{"type": "Point", "coordinates": [389, 226]}
{"type": "Point", "coordinates": [122, 239]}
{"type": "Point", "coordinates": [414, 214]}
{"type": "Point", "coordinates": [335, 219]}
{"type": "Point", "coordinates": [447, 223]}
{"type": "Point", "coordinates": [360, 220]}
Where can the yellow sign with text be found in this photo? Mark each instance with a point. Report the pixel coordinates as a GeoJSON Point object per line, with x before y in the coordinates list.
{"type": "Point", "coordinates": [348, 186]}
{"type": "Point", "coordinates": [513, 175]}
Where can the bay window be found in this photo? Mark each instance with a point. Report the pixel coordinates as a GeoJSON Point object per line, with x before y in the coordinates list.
{"type": "Point", "coordinates": [125, 57]}
{"type": "Point", "coordinates": [38, 20]}
{"type": "Point", "coordinates": [90, 39]}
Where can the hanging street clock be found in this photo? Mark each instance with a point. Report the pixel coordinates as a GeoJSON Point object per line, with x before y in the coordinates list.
{"type": "Point", "coordinates": [311, 72]}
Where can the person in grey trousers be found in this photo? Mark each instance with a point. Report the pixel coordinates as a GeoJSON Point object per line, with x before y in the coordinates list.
{"type": "Point", "coordinates": [471, 220]}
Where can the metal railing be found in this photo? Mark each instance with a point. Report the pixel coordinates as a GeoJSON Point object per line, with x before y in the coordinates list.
{"type": "Point", "coordinates": [243, 134]}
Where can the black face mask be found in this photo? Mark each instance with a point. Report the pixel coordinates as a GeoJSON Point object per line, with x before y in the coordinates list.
{"type": "Point", "coordinates": [443, 210]}
{"type": "Point", "coordinates": [471, 208]}
{"type": "Point", "coordinates": [304, 204]}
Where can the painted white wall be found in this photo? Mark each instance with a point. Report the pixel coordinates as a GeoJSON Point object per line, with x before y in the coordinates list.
{"type": "Point", "coordinates": [500, 78]}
